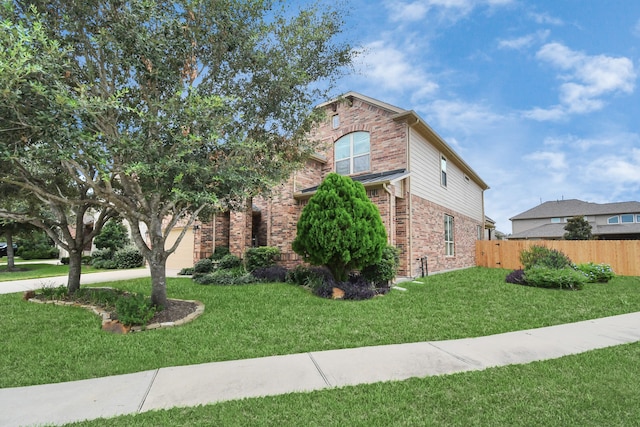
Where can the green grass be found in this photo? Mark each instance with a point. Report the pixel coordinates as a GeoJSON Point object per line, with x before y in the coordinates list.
{"type": "Point", "coordinates": [597, 388]}
{"type": "Point", "coordinates": [38, 271]}
{"type": "Point", "coordinates": [46, 343]}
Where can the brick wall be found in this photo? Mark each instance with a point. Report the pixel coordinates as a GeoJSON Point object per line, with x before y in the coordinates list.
{"type": "Point", "coordinates": [428, 237]}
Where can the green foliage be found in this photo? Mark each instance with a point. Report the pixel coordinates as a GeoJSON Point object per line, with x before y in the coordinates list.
{"type": "Point", "coordinates": [340, 227]}
{"type": "Point", "coordinates": [53, 293]}
{"type": "Point", "coordinates": [216, 99]}
{"type": "Point", "coordinates": [187, 271]}
{"type": "Point", "coordinates": [229, 262]}
{"type": "Point", "coordinates": [236, 276]}
{"type": "Point", "coordinates": [37, 245]}
{"type": "Point", "coordinates": [299, 275]}
{"type": "Point", "coordinates": [261, 257]}
{"type": "Point", "coordinates": [113, 236]}
{"type": "Point", "coordinates": [544, 257]}
{"type": "Point", "coordinates": [596, 273]}
{"type": "Point", "coordinates": [385, 270]}
{"type": "Point", "coordinates": [203, 266]}
{"type": "Point", "coordinates": [578, 228]}
{"type": "Point", "coordinates": [561, 278]}
{"type": "Point", "coordinates": [134, 309]}
{"type": "Point", "coordinates": [219, 252]}
{"type": "Point", "coordinates": [128, 257]}
{"type": "Point", "coordinates": [103, 259]}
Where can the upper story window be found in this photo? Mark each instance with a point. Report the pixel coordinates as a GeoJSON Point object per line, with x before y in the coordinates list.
{"type": "Point", "coordinates": [613, 220]}
{"type": "Point", "coordinates": [626, 218]}
{"type": "Point", "coordinates": [352, 153]}
{"type": "Point", "coordinates": [443, 171]}
{"type": "Point", "coordinates": [335, 121]}
{"type": "Point", "coordinates": [556, 220]}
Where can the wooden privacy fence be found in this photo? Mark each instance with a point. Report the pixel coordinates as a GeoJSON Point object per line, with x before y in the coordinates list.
{"type": "Point", "coordinates": [622, 255]}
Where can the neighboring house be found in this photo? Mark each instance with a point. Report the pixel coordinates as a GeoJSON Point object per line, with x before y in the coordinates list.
{"type": "Point", "coordinates": [430, 200]}
{"type": "Point", "coordinates": [609, 221]}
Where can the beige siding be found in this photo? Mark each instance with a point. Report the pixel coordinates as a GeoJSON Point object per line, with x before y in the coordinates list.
{"type": "Point", "coordinates": [462, 195]}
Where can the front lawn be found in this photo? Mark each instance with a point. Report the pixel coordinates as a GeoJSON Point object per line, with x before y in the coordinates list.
{"type": "Point", "coordinates": [38, 271]}
{"type": "Point", "coordinates": [47, 343]}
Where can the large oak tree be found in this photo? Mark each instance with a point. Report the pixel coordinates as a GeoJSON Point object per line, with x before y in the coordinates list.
{"type": "Point", "coordinates": [189, 105]}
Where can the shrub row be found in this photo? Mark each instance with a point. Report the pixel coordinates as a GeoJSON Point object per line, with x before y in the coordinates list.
{"type": "Point", "coordinates": [127, 257]}
{"type": "Point", "coordinates": [550, 268]}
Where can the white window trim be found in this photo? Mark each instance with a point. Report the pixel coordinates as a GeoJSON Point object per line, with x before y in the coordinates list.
{"type": "Point", "coordinates": [443, 171]}
{"type": "Point", "coordinates": [449, 245]}
{"type": "Point", "coordinates": [351, 155]}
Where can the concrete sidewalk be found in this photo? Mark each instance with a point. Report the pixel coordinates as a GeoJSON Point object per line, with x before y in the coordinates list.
{"type": "Point", "coordinates": [86, 279]}
{"type": "Point", "coordinates": [214, 382]}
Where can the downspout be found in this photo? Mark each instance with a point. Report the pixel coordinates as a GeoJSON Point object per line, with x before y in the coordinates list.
{"type": "Point", "coordinates": [392, 224]}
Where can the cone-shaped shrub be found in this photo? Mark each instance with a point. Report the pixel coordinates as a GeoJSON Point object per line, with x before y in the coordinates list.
{"type": "Point", "coordinates": [340, 228]}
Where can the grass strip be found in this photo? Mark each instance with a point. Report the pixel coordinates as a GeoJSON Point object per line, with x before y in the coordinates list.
{"type": "Point", "coordinates": [46, 343]}
{"type": "Point", "coordinates": [595, 388]}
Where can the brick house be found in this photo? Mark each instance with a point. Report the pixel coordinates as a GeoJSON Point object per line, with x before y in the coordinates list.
{"type": "Point", "coordinates": [430, 200]}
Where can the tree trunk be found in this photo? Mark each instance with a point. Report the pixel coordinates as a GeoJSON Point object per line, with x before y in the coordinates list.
{"type": "Point", "coordinates": [11, 262]}
{"type": "Point", "coordinates": [75, 269]}
{"type": "Point", "coordinates": [157, 266]}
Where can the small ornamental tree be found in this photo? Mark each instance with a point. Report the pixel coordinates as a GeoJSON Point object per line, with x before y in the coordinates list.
{"type": "Point", "coordinates": [340, 228]}
{"type": "Point", "coordinates": [114, 236]}
{"type": "Point", "coordinates": [578, 228]}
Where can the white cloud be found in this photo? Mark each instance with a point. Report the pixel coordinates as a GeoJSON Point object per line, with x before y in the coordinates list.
{"type": "Point", "coordinates": [618, 170]}
{"type": "Point", "coordinates": [545, 18]}
{"type": "Point", "coordinates": [387, 67]}
{"type": "Point", "coordinates": [549, 159]}
{"type": "Point", "coordinates": [524, 41]}
{"type": "Point", "coordinates": [461, 117]}
{"type": "Point", "coordinates": [581, 144]}
{"type": "Point", "coordinates": [447, 10]}
{"type": "Point", "coordinates": [587, 80]}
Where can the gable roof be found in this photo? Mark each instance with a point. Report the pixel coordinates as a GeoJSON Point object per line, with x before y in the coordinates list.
{"type": "Point", "coordinates": [575, 207]}
{"type": "Point", "coordinates": [413, 120]}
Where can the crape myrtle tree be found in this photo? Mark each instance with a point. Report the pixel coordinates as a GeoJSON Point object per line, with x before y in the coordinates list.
{"type": "Point", "coordinates": [204, 102]}
{"type": "Point", "coordinates": [578, 228]}
{"type": "Point", "coordinates": [340, 228]}
{"type": "Point", "coordinates": [39, 117]}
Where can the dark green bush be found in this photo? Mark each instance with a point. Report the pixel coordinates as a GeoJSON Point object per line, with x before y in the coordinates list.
{"type": "Point", "coordinates": [128, 257]}
{"type": "Point", "coordinates": [340, 227]}
{"type": "Point", "coordinates": [134, 309]}
{"type": "Point", "coordinates": [229, 261]}
{"type": "Point", "coordinates": [103, 259]}
{"type": "Point", "coordinates": [219, 252]}
{"type": "Point", "coordinates": [545, 257]}
{"type": "Point", "coordinates": [39, 253]}
{"type": "Point", "coordinates": [203, 266]}
{"type": "Point", "coordinates": [235, 276]}
{"type": "Point", "coordinates": [561, 278]}
{"type": "Point", "coordinates": [298, 275]}
{"type": "Point", "coordinates": [86, 260]}
{"type": "Point", "coordinates": [113, 236]}
{"type": "Point", "coordinates": [187, 271]}
{"type": "Point", "coordinates": [274, 273]}
{"type": "Point", "coordinates": [261, 257]}
{"type": "Point", "coordinates": [596, 273]}
{"type": "Point", "coordinates": [517, 277]}
{"type": "Point", "coordinates": [64, 260]}
{"type": "Point", "coordinates": [384, 271]}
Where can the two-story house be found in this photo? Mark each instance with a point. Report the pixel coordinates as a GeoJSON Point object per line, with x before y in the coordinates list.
{"type": "Point", "coordinates": [431, 201]}
{"type": "Point", "coordinates": [609, 221]}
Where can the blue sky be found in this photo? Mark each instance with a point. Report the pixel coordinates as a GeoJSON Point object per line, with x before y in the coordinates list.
{"type": "Point", "coordinates": [539, 97]}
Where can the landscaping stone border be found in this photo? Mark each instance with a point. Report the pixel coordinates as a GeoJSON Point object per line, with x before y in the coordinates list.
{"type": "Point", "coordinates": [117, 327]}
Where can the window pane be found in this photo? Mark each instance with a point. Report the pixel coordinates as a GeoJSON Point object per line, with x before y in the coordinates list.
{"type": "Point", "coordinates": [342, 148]}
{"type": "Point", "coordinates": [360, 143]}
{"type": "Point", "coordinates": [626, 218]}
{"type": "Point", "coordinates": [637, 218]}
{"type": "Point", "coordinates": [342, 167]}
{"type": "Point", "coordinates": [612, 220]}
{"type": "Point", "coordinates": [361, 164]}
{"type": "Point", "coordinates": [555, 220]}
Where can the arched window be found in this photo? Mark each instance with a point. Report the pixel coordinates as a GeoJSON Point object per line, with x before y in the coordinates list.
{"type": "Point", "coordinates": [352, 153]}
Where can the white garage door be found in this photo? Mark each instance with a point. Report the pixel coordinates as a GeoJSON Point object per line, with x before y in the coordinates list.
{"type": "Point", "coordinates": [183, 256]}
